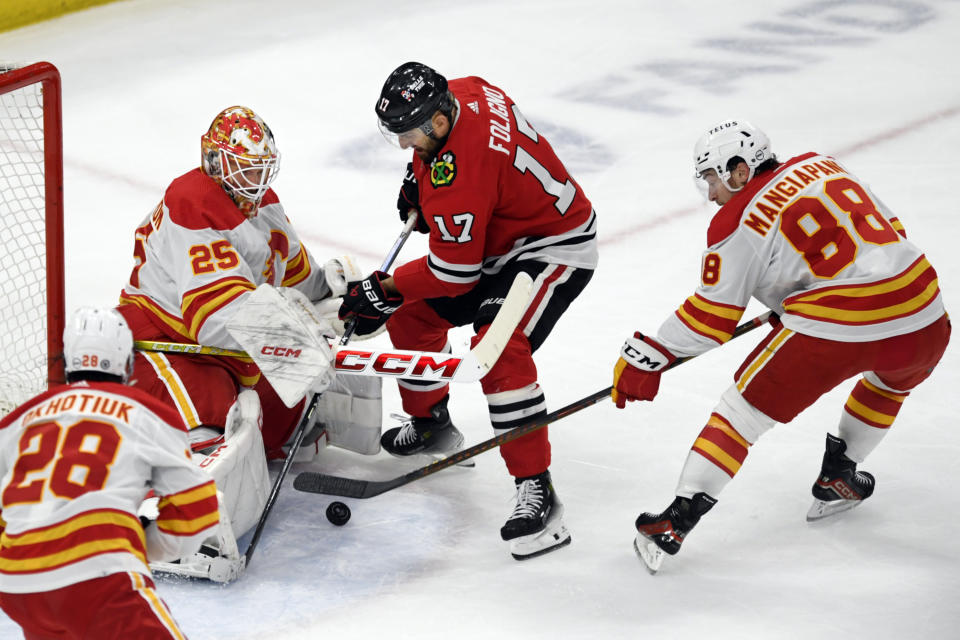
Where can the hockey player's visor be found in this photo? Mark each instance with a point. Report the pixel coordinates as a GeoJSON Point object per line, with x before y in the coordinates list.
{"type": "Point", "coordinates": [405, 139]}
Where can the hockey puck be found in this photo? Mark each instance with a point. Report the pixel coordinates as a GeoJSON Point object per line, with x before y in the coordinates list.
{"type": "Point", "coordinates": [338, 513]}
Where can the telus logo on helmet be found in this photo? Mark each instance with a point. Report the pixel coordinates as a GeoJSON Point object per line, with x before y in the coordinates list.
{"type": "Point", "coordinates": [721, 127]}
{"type": "Point", "coordinates": [405, 365]}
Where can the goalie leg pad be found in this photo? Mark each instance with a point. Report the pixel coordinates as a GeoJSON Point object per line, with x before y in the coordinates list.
{"type": "Point", "coordinates": [218, 558]}
{"type": "Point", "coordinates": [239, 465]}
{"type": "Point", "coordinates": [351, 409]}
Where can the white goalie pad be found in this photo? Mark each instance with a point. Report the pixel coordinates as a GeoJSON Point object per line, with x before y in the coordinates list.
{"type": "Point", "coordinates": [239, 468]}
{"type": "Point", "coordinates": [218, 558]}
{"type": "Point", "coordinates": [351, 410]}
{"type": "Point", "coordinates": [281, 331]}
{"type": "Point", "coordinates": [239, 465]}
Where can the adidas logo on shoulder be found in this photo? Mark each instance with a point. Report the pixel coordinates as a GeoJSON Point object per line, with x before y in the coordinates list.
{"type": "Point", "coordinates": [474, 106]}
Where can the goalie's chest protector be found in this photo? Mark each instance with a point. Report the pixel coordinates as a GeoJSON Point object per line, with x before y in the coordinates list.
{"type": "Point", "coordinates": [197, 253]}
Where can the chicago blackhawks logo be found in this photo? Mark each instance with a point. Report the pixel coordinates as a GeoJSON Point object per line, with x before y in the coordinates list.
{"type": "Point", "coordinates": [443, 170]}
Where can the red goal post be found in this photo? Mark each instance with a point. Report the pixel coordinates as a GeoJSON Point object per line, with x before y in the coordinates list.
{"type": "Point", "coordinates": [31, 232]}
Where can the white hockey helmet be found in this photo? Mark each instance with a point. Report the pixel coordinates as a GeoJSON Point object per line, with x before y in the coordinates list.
{"type": "Point", "coordinates": [730, 139]}
{"type": "Point", "coordinates": [98, 340]}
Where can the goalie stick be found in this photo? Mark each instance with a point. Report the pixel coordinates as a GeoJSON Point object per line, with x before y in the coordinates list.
{"type": "Point", "coordinates": [308, 415]}
{"type": "Point", "coordinates": [501, 329]}
{"type": "Point", "coordinates": [312, 482]}
{"type": "Point", "coordinates": [275, 490]}
{"type": "Point", "coordinates": [396, 363]}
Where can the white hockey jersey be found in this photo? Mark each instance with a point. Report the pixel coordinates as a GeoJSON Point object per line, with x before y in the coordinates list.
{"type": "Point", "coordinates": [75, 464]}
{"type": "Point", "coordinates": [812, 243]}
{"type": "Point", "coordinates": [198, 257]}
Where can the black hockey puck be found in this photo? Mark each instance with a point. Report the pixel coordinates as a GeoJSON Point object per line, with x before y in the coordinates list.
{"type": "Point", "coordinates": [338, 513]}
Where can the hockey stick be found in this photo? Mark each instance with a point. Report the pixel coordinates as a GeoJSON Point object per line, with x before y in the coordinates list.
{"type": "Point", "coordinates": [308, 415]}
{"type": "Point", "coordinates": [392, 363]}
{"type": "Point", "coordinates": [387, 263]}
{"type": "Point", "coordinates": [313, 482]}
{"type": "Point", "coordinates": [275, 491]}
{"type": "Point", "coordinates": [484, 355]}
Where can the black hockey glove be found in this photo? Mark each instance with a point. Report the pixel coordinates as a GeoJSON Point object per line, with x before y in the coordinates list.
{"type": "Point", "coordinates": [369, 304]}
{"type": "Point", "coordinates": [409, 198]}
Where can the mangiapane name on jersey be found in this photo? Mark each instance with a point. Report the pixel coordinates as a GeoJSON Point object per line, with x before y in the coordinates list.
{"type": "Point", "coordinates": [781, 193]}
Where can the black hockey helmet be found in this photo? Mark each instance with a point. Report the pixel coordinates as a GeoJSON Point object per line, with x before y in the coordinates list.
{"type": "Point", "coordinates": [410, 97]}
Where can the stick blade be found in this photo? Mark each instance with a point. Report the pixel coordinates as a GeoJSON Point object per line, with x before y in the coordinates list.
{"type": "Point", "coordinates": [312, 482]}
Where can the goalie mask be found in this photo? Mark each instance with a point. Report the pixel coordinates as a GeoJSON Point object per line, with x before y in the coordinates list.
{"type": "Point", "coordinates": [239, 152]}
{"type": "Point", "coordinates": [98, 340]}
{"type": "Point", "coordinates": [729, 139]}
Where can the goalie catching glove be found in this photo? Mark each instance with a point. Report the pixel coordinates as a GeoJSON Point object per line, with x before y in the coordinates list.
{"type": "Point", "coordinates": [636, 375]}
{"type": "Point", "coordinates": [409, 198]}
{"type": "Point", "coordinates": [369, 303]}
{"type": "Point", "coordinates": [341, 273]}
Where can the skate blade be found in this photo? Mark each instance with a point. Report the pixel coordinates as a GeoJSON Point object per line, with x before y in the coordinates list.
{"type": "Point", "coordinates": [537, 544]}
{"type": "Point", "coordinates": [648, 551]}
{"type": "Point", "coordinates": [821, 509]}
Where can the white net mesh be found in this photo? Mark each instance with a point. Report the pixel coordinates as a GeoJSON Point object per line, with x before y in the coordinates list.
{"type": "Point", "coordinates": [23, 291]}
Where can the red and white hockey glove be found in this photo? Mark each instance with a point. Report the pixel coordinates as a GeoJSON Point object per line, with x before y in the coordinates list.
{"type": "Point", "coordinates": [369, 303]}
{"type": "Point", "coordinates": [636, 375]}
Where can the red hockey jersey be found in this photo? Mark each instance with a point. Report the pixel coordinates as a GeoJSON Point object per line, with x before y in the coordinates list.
{"type": "Point", "coordinates": [495, 193]}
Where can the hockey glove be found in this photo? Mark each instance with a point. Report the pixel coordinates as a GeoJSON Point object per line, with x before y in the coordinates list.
{"type": "Point", "coordinates": [369, 303]}
{"type": "Point", "coordinates": [409, 198]}
{"type": "Point", "coordinates": [636, 375]}
{"type": "Point", "coordinates": [341, 273]}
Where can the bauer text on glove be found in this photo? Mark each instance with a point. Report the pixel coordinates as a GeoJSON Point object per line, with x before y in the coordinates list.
{"type": "Point", "coordinates": [636, 376]}
{"type": "Point", "coordinates": [369, 303]}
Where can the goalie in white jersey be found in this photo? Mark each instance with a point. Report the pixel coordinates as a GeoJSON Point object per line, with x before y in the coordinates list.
{"type": "Point", "coordinates": [807, 239]}
{"type": "Point", "coordinates": [75, 465]}
{"type": "Point", "coordinates": [218, 233]}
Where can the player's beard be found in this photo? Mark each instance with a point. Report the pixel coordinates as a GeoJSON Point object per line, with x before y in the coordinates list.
{"type": "Point", "coordinates": [428, 153]}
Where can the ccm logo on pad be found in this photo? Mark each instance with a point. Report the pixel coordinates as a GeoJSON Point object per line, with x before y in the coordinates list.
{"type": "Point", "coordinates": [283, 352]}
{"type": "Point", "coordinates": [397, 364]}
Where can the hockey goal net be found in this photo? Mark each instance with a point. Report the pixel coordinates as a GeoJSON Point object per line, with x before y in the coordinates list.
{"type": "Point", "coordinates": [31, 232]}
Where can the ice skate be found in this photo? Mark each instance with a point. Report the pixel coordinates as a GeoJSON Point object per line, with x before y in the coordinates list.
{"type": "Point", "coordinates": [839, 486]}
{"type": "Point", "coordinates": [663, 533]}
{"type": "Point", "coordinates": [536, 525]}
{"type": "Point", "coordinates": [434, 437]}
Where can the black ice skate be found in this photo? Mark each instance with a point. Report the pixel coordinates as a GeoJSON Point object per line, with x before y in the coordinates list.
{"type": "Point", "coordinates": [839, 486]}
{"type": "Point", "coordinates": [435, 437]}
{"type": "Point", "coordinates": [660, 533]}
{"type": "Point", "coordinates": [536, 525]}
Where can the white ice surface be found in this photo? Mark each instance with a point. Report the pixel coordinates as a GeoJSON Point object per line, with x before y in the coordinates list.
{"type": "Point", "coordinates": [622, 89]}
